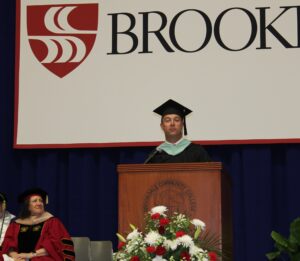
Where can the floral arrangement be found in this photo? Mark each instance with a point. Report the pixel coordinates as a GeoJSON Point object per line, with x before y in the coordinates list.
{"type": "Point", "coordinates": [175, 238]}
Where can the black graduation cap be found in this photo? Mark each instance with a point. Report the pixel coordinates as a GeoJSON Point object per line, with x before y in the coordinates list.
{"type": "Point", "coordinates": [173, 107]}
{"type": "Point", "coordinates": [31, 192]}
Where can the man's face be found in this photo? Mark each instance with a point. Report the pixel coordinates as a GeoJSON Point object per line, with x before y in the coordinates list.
{"type": "Point", "coordinates": [172, 125]}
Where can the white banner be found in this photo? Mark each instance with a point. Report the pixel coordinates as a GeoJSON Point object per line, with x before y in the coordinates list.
{"type": "Point", "coordinates": [89, 72]}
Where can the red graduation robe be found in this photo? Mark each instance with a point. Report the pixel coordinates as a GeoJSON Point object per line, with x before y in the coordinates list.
{"type": "Point", "coordinates": [54, 238]}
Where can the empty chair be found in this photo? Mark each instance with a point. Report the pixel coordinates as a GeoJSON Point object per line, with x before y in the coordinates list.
{"type": "Point", "coordinates": [101, 251]}
{"type": "Point", "coordinates": [82, 247]}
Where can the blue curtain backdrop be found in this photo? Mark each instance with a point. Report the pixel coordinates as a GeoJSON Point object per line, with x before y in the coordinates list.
{"type": "Point", "coordinates": [82, 183]}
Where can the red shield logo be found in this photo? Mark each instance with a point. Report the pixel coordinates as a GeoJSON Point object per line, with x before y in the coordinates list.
{"type": "Point", "coordinates": [62, 36]}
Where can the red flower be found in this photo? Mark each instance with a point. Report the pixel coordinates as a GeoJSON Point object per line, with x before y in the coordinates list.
{"type": "Point", "coordinates": [164, 221]}
{"type": "Point", "coordinates": [212, 256]}
{"type": "Point", "coordinates": [185, 256]}
{"type": "Point", "coordinates": [180, 233]}
{"type": "Point", "coordinates": [150, 249]}
{"type": "Point", "coordinates": [135, 258]}
{"type": "Point", "coordinates": [121, 244]}
{"type": "Point", "coordinates": [161, 230]}
{"type": "Point", "coordinates": [160, 251]}
{"type": "Point", "coordinates": [155, 216]}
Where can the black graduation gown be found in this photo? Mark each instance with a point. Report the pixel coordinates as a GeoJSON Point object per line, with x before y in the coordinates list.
{"type": "Point", "coordinates": [192, 153]}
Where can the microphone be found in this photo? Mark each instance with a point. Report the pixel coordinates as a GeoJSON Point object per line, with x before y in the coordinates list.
{"type": "Point", "coordinates": [152, 154]}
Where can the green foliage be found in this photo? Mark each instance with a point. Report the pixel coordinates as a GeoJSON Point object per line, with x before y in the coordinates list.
{"type": "Point", "coordinates": [289, 246]}
{"type": "Point", "coordinates": [211, 242]}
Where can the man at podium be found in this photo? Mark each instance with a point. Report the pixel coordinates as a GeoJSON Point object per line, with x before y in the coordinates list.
{"type": "Point", "coordinates": [176, 148]}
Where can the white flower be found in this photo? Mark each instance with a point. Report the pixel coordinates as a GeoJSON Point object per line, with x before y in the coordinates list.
{"type": "Point", "coordinates": [159, 209]}
{"type": "Point", "coordinates": [185, 240]}
{"type": "Point", "coordinates": [135, 244]}
{"type": "Point", "coordinates": [198, 223]}
{"type": "Point", "coordinates": [159, 258]}
{"type": "Point", "coordinates": [194, 250]}
{"type": "Point", "coordinates": [171, 244]}
{"type": "Point", "coordinates": [152, 238]}
{"type": "Point", "coordinates": [133, 235]}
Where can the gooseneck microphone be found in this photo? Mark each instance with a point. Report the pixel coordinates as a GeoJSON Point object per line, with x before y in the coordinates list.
{"type": "Point", "coordinates": [152, 154]}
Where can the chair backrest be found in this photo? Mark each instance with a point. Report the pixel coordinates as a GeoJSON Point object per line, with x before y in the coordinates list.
{"type": "Point", "coordinates": [101, 251]}
{"type": "Point", "coordinates": [82, 247]}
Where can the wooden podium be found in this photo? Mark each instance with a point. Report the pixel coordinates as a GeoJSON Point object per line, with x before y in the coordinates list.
{"type": "Point", "coordinates": [200, 190]}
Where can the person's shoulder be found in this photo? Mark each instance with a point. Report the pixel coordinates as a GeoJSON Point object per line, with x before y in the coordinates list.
{"type": "Point", "coordinates": [53, 222]}
{"type": "Point", "coordinates": [53, 219]}
{"type": "Point", "coordinates": [9, 215]}
{"type": "Point", "coordinates": [14, 222]}
{"type": "Point", "coordinates": [199, 151]}
{"type": "Point", "coordinates": [195, 146]}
